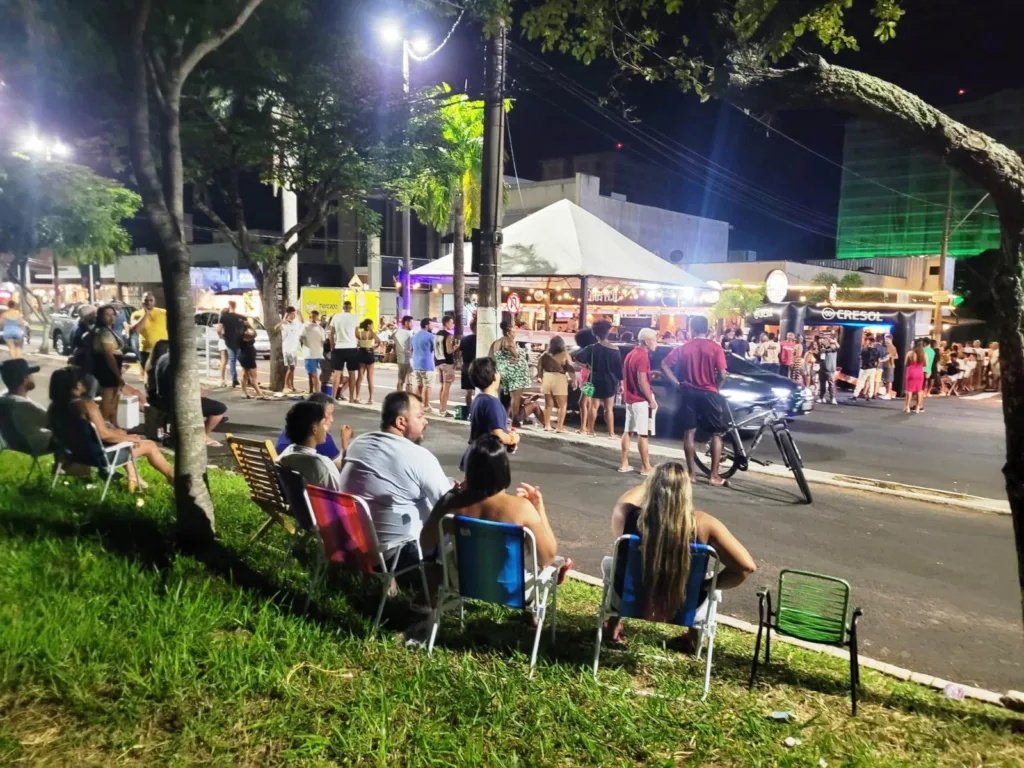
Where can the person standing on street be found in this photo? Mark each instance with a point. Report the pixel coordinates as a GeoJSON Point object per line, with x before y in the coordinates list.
{"type": "Point", "coordinates": [345, 352]}
{"type": "Point", "coordinates": [740, 346]}
{"type": "Point", "coordinates": [402, 339]}
{"type": "Point", "coordinates": [367, 341]}
{"type": "Point", "coordinates": [423, 362]}
{"type": "Point", "coordinates": [929, 366]}
{"type": "Point", "coordinates": [230, 328]}
{"type": "Point", "coordinates": [828, 353]}
{"type": "Point", "coordinates": [444, 359]}
{"type": "Point", "coordinates": [915, 376]}
{"type": "Point", "coordinates": [869, 358]}
{"type": "Point", "coordinates": [14, 329]}
{"type": "Point", "coordinates": [313, 338]}
{"type": "Point", "coordinates": [605, 363]}
{"type": "Point", "coordinates": [888, 365]}
{"type": "Point", "coordinates": [466, 356]}
{"type": "Point", "coordinates": [770, 352]}
{"type": "Point", "coordinates": [639, 400]}
{"type": "Point", "coordinates": [150, 323]}
{"type": "Point", "coordinates": [786, 350]}
{"type": "Point", "coordinates": [701, 372]}
{"type": "Point", "coordinates": [291, 339]}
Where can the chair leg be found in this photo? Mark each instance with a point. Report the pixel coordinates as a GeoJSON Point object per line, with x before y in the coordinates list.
{"type": "Point", "coordinates": [710, 626]}
{"type": "Point", "coordinates": [31, 471]}
{"type": "Point", "coordinates": [540, 629]}
{"type": "Point", "coordinates": [423, 582]}
{"type": "Point", "coordinates": [554, 607]}
{"type": "Point", "coordinates": [106, 486]}
{"type": "Point", "coordinates": [854, 667]}
{"type": "Point", "coordinates": [757, 642]}
{"type": "Point", "coordinates": [58, 470]}
{"type": "Point", "coordinates": [388, 581]}
{"type": "Point", "coordinates": [261, 531]}
{"type": "Point", "coordinates": [438, 611]}
{"type": "Point", "coordinates": [597, 641]}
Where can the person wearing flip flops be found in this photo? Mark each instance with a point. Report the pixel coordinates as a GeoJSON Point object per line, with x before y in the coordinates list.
{"type": "Point", "coordinates": [639, 400]}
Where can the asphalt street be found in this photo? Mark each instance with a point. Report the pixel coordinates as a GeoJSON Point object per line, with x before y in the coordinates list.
{"type": "Point", "coordinates": [938, 585]}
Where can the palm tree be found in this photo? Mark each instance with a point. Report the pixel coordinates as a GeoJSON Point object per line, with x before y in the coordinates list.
{"type": "Point", "coordinates": [447, 193]}
{"type": "Point", "coordinates": [736, 301]}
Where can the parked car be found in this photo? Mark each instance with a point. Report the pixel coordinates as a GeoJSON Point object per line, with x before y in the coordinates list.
{"type": "Point", "coordinates": [64, 323]}
{"type": "Point", "coordinates": [206, 330]}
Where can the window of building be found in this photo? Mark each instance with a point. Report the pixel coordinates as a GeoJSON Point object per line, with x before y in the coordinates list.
{"type": "Point", "coordinates": [933, 270]}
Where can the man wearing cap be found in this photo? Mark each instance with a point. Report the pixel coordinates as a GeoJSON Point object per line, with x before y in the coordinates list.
{"type": "Point", "coordinates": [28, 419]}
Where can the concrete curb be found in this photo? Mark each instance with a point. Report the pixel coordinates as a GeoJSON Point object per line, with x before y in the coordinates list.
{"type": "Point", "coordinates": [930, 681]}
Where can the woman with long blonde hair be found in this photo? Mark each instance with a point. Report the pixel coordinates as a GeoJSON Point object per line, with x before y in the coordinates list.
{"type": "Point", "coordinates": [661, 513]}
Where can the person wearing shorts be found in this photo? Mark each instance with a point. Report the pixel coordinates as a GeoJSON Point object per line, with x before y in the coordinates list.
{"type": "Point", "coordinates": [467, 354]}
{"type": "Point", "coordinates": [638, 398]}
{"type": "Point", "coordinates": [423, 362]}
{"type": "Point", "coordinates": [698, 369]}
{"type": "Point", "coordinates": [313, 338]}
{"type": "Point", "coordinates": [444, 360]}
{"type": "Point", "coordinates": [345, 351]}
{"type": "Point", "coordinates": [291, 330]}
{"type": "Point", "coordinates": [402, 339]}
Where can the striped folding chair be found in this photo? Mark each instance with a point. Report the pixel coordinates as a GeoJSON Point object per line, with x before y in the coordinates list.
{"type": "Point", "coordinates": [494, 563]}
{"type": "Point", "coordinates": [812, 607]}
{"type": "Point", "coordinates": [85, 447]}
{"type": "Point", "coordinates": [624, 596]}
{"type": "Point", "coordinates": [348, 538]}
{"type": "Point", "coordinates": [257, 460]}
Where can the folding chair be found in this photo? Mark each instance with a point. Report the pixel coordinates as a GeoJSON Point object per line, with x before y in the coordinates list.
{"type": "Point", "coordinates": [257, 460]}
{"type": "Point", "coordinates": [494, 563]}
{"type": "Point", "coordinates": [812, 607]}
{"type": "Point", "coordinates": [624, 596]}
{"type": "Point", "coordinates": [87, 448]}
{"type": "Point", "coordinates": [348, 538]}
{"type": "Point", "coordinates": [11, 440]}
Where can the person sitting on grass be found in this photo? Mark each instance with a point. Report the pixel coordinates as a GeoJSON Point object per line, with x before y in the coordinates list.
{"type": "Point", "coordinates": [328, 447]}
{"type": "Point", "coordinates": [306, 427]}
{"type": "Point", "coordinates": [161, 392]}
{"type": "Point", "coordinates": [661, 513]}
{"type": "Point", "coordinates": [482, 495]}
{"type": "Point", "coordinates": [72, 393]}
{"type": "Point", "coordinates": [487, 416]}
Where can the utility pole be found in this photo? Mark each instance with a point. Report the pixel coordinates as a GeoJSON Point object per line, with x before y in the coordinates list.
{"type": "Point", "coordinates": [406, 211]}
{"type": "Point", "coordinates": [491, 188]}
{"type": "Point", "coordinates": [944, 252]}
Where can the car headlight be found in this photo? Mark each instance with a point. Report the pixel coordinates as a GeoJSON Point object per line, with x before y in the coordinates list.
{"type": "Point", "coordinates": [781, 393]}
{"type": "Point", "coordinates": [738, 396]}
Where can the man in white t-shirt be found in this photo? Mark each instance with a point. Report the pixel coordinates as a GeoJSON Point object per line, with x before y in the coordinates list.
{"type": "Point", "coordinates": [291, 339]}
{"type": "Point", "coordinates": [344, 354]}
{"type": "Point", "coordinates": [313, 338]}
{"type": "Point", "coordinates": [403, 350]}
{"type": "Point", "coordinates": [400, 480]}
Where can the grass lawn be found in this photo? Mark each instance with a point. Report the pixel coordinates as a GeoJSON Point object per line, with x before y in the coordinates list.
{"type": "Point", "coordinates": [114, 649]}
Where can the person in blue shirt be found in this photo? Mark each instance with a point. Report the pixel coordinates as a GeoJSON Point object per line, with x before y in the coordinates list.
{"type": "Point", "coordinates": [328, 447]}
{"type": "Point", "coordinates": [423, 362]}
{"type": "Point", "coordinates": [487, 416]}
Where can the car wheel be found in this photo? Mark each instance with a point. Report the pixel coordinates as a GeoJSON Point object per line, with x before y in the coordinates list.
{"type": "Point", "coordinates": [59, 345]}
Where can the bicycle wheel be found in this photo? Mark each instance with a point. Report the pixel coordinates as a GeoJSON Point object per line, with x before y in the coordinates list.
{"type": "Point", "coordinates": [795, 463]}
{"type": "Point", "coordinates": [728, 466]}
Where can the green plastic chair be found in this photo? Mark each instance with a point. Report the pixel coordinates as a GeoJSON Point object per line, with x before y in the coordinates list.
{"type": "Point", "coordinates": [813, 607]}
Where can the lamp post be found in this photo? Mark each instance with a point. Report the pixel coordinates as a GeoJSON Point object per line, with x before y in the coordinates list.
{"type": "Point", "coordinates": [390, 33]}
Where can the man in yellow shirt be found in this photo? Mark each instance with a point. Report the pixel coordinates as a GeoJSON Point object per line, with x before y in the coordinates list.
{"type": "Point", "coordinates": [150, 323]}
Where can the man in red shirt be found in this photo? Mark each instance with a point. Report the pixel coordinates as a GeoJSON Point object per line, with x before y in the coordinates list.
{"type": "Point", "coordinates": [639, 399]}
{"type": "Point", "coordinates": [701, 366]}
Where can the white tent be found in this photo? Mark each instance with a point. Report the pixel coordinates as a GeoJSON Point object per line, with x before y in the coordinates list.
{"type": "Point", "coordinates": [565, 240]}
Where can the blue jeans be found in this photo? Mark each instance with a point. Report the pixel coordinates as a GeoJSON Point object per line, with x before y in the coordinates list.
{"type": "Point", "coordinates": [233, 364]}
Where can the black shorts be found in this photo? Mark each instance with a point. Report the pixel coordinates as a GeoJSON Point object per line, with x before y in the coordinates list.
{"type": "Point", "coordinates": [366, 357]}
{"type": "Point", "coordinates": [143, 359]}
{"type": "Point", "coordinates": [345, 358]}
{"type": "Point", "coordinates": [467, 385]}
{"type": "Point", "coordinates": [212, 407]}
{"type": "Point", "coordinates": [703, 410]}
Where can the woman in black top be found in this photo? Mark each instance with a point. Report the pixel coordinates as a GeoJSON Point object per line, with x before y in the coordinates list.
{"type": "Point", "coordinates": [247, 359]}
{"type": "Point", "coordinates": [605, 363]}
{"type": "Point", "coordinates": [106, 362]}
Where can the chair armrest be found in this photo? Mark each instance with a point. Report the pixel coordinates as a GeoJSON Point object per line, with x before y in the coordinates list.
{"type": "Point", "coordinates": [118, 447]}
{"type": "Point", "coordinates": [857, 613]}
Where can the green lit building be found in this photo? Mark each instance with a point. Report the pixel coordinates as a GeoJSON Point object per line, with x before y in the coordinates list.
{"type": "Point", "coordinates": [892, 199]}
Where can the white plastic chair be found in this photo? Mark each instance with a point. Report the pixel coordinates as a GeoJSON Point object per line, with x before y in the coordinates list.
{"type": "Point", "coordinates": [494, 563]}
{"type": "Point", "coordinates": [91, 452]}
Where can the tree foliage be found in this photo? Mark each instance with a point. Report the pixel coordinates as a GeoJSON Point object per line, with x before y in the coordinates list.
{"type": "Point", "coordinates": [735, 300]}
{"type": "Point", "coordinates": [843, 285]}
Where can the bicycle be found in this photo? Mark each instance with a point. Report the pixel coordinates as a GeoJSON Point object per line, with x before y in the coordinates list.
{"type": "Point", "coordinates": [735, 456]}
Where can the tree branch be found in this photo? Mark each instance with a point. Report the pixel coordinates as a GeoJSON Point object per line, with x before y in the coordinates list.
{"type": "Point", "coordinates": [156, 74]}
{"type": "Point", "coordinates": [205, 47]}
{"type": "Point", "coordinates": [987, 163]}
{"type": "Point", "coordinates": [221, 225]}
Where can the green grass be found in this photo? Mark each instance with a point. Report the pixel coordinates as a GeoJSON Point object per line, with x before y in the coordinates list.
{"type": "Point", "coordinates": [114, 649]}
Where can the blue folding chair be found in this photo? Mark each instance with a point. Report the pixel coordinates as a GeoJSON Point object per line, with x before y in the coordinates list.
{"type": "Point", "coordinates": [85, 447]}
{"type": "Point", "coordinates": [624, 595]}
{"type": "Point", "coordinates": [494, 563]}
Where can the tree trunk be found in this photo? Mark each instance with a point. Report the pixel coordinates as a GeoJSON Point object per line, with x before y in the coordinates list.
{"type": "Point", "coordinates": [459, 260]}
{"type": "Point", "coordinates": [272, 275]}
{"type": "Point", "coordinates": [1008, 287]}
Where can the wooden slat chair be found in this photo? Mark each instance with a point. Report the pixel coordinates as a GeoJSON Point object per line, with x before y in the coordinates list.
{"type": "Point", "coordinates": [811, 607]}
{"type": "Point", "coordinates": [256, 460]}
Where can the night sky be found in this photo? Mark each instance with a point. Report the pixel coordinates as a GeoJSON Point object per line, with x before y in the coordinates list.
{"type": "Point", "coordinates": [940, 48]}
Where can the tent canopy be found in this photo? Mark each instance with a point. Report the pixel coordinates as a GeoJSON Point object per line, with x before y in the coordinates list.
{"type": "Point", "coordinates": [565, 240]}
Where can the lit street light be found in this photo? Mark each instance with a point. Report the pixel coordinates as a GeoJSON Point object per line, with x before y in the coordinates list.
{"type": "Point", "coordinates": [34, 145]}
{"type": "Point", "coordinates": [390, 33]}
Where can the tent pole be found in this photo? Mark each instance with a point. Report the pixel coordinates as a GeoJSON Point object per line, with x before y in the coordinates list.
{"type": "Point", "coordinates": [583, 302]}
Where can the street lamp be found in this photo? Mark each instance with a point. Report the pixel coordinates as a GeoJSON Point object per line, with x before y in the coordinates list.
{"type": "Point", "coordinates": [34, 145]}
{"type": "Point", "coordinates": [390, 33]}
